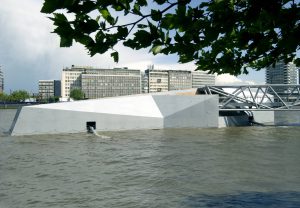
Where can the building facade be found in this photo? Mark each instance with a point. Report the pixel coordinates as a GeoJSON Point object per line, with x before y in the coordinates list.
{"type": "Point", "coordinates": [168, 80]}
{"type": "Point", "coordinates": [145, 82]}
{"type": "Point", "coordinates": [99, 83]}
{"type": "Point", "coordinates": [71, 79]}
{"type": "Point", "coordinates": [49, 89]}
{"type": "Point", "coordinates": [1, 81]}
{"type": "Point", "coordinates": [158, 80]}
{"type": "Point", "coordinates": [110, 82]}
{"type": "Point", "coordinates": [179, 80]}
{"type": "Point", "coordinates": [282, 73]}
{"type": "Point", "coordinates": [200, 78]}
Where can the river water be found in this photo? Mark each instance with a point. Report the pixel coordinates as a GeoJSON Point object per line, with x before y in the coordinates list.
{"type": "Point", "coordinates": [226, 167]}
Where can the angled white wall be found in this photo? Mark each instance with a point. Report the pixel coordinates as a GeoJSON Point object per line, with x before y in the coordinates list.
{"type": "Point", "coordinates": [120, 113]}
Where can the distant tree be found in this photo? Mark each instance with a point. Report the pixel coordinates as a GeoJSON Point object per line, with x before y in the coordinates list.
{"type": "Point", "coordinates": [221, 36]}
{"type": "Point", "coordinates": [77, 94]}
{"type": "Point", "coordinates": [3, 96]}
{"type": "Point", "coordinates": [53, 99]}
{"type": "Point", "coordinates": [19, 96]}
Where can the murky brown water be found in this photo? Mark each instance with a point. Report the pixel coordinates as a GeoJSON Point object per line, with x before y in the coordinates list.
{"type": "Point", "coordinates": [229, 167]}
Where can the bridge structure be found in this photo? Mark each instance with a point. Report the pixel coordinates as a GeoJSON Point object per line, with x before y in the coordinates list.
{"type": "Point", "coordinates": [272, 97]}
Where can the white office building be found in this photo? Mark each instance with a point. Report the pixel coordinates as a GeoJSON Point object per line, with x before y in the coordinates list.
{"type": "Point", "coordinates": [99, 83]}
{"type": "Point", "coordinates": [145, 82]}
{"type": "Point", "coordinates": [169, 80]}
{"type": "Point", "coordinates": [180, 79]}
{"type": "Point", "coordinates": [158, 80]}
{"type": "Point", "coordinates": [71, 79]}
{"type": "Point", "coordinates": [200, 78]}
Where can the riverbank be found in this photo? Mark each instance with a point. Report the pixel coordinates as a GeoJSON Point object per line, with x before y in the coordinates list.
{"type": "Point", "coordinates": [14, 105]}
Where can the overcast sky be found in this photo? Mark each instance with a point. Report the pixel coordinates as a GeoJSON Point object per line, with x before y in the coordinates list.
{"type": "Point", "coordinates": [30, 52]}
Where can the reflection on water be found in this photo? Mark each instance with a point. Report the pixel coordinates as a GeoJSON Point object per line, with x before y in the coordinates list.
{"type": "Point", "coordinates": [230, 167]}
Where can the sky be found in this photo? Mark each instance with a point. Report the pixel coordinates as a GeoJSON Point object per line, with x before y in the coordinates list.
{"type": "Point", "coordinates": [30, 52]}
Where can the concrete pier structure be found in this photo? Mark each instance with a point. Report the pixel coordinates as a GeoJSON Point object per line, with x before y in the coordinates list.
{"type": "Point", "coordinates": [147, 111]}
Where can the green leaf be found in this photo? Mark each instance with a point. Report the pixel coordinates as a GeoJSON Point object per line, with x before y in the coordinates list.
{"type": "Point", "coordinates": [156, 49]}
{"type": "Point", "coordinates": [142, 2]}
{"type": "Point", "coordinates": [105, 13]}
{"type": "Point", "coordinates": [107, 16]}
{"type": "Point", "coordinates": [160, 2]}
{"type": "Point", "coordinates": [136, 9]}
{"type": "Point", "coordinates": [297, 62]}
{"type": "Point", "coordinates": [98, 18]}
{"type": "Point", "coordinates": [66, 41]}
{"type": "Point", "coordinates": [118, 7]}
{"type": "Point", "coordinates": [50, 6]}
{"type": "Point", "coordinates": [141, 26]}
{"type": "Point", "coordinates": [156, 15]}
{"type": "Point", "coordinates": [91, 26]}
{"type": "Point", "coordinates": [115, 56]}
{"type": "Point", "coordinates": [168, 21]}
{"type": "Point", "coordinates": [122, 32]}
{"type": "Point", "coordinates": [103, 25]}
{"type": "Point", "coordinates": [84, 40]}
{"type": "Point", "coordinates": [59, 19]}
{"type": "Point", "coordinates": [142, 39]}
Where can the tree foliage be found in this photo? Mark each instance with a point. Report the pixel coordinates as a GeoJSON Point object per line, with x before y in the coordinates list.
{"type": "Point", "coordinates": [3, 97]}
{"type": "Point", "coordinates": [221, 36]}
{"type": "Point", "coordinates": [19, 95]}
{"type": "Point", "coordinates": [15, 96]}
{"type": "Point", "coordinates": [77, 94]}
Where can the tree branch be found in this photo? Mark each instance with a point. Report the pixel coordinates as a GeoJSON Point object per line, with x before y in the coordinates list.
{"type": "Point", "coordinates": [142, 18]}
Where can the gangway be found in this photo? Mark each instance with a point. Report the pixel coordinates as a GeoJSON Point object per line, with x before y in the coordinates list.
{"type": "Point", "coordinates": [272, 97]}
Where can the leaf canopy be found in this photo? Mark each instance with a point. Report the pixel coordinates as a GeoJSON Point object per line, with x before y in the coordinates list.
{"type": "Point", "coordinates": [220, 36]}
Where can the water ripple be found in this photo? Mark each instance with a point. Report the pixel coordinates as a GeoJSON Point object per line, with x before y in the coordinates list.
{"type": "Point", "coordinates": [234, 167]}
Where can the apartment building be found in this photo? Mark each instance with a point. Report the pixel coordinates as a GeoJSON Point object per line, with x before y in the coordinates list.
{"type": "Point", "coordinates": [282, 73]}
{"type": "Point", "coordinates": [49, 89]}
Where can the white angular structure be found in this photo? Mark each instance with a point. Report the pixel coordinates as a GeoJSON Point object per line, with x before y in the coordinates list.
{"type": "Point", "coordinates": [176, 109]}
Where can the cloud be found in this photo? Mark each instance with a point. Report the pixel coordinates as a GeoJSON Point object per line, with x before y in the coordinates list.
{"type": "Point", "coordinates": [24, 28]}
{"type": "Point", "coordinates": [29, 51]}
{"type": "Point", "coordinates": [227, 79]}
